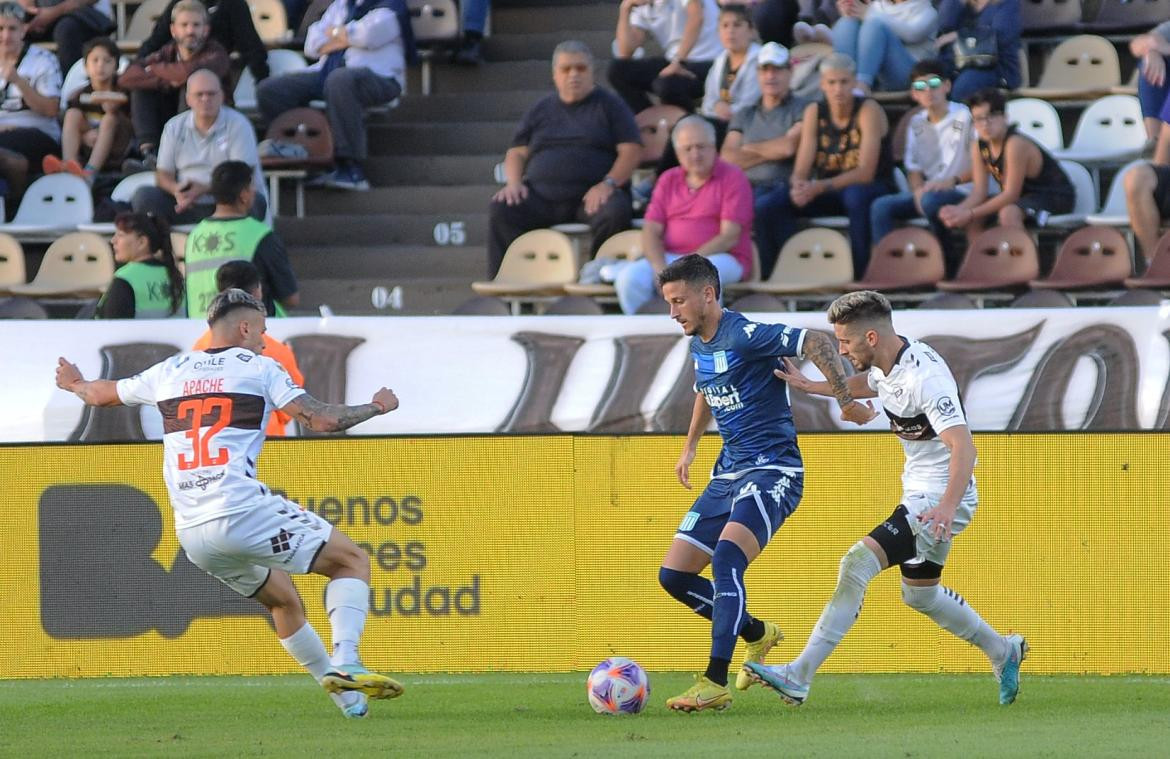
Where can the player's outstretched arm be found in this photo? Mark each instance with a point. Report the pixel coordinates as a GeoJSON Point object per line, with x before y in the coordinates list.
{"type": "Point", "coordinates": [819, 349]}
{"type": "Point", "coordinates": [335, 417]}
{"type": "Point", "coordinates": [92, 393]}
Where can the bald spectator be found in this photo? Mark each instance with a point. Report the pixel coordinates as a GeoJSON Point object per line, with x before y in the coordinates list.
{"type": "Point", "coordinates": [193, 144]}
{"type": "Point", "coordinates": [570, 159]}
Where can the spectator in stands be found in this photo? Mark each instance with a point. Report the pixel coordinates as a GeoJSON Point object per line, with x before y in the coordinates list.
{"type": "Point", "coordinates": [762, 140]}
{"type": "Point", "coordinates": [156, 81]}
{"type": "Point", "coordinates": [938, 157]}
{"type": "Point", "coordinates": [570, 160]}
{"type": "Point", "coordinates": [731, 83]}
{"type": "Point", "coordinates": [1033, 186]}
{"type": "Point", "coordinates": [994, 26]}
{"type": "Point", "coordinates": [475, 13]}
{"type": "Point", "coordinates": [233, 185]}
{"type": "Point", "coordinates": [885, 38]}
{"type": "Point", "coordinates": [1147, 196]}
{"type": "Point", "coordinates": [69, 24]}
{"type": "Point", "coordinates": [701, 206]}
{"type": "Point", "coordinates": [1153, 52]}
{"type": "Point", "coordinates": [147, 284]}
{"type": "Point", "coordinates": [842, 164]}
{"type": "Point", "coordinates": [193, 144]}
{"type": "Point", "coordinates": [31, 98]}
{"type": "Point", "coordinates": [361, 63]}
{"type": "Point", "coordinates": [231, 27]}
{"type": "Point", "coordinates": [243, 275]}
{"type": "Point", "coordinates": [792, 22]}
{"type": "Point", "coordinates": [97, 126]}
{"type": "Point", "coordinates": [686, 32]}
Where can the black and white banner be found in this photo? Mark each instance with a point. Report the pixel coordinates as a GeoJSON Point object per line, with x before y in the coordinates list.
{"type": "Point", "coordinates": [1017, 369]}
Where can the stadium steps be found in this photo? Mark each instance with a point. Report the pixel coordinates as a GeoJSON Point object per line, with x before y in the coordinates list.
{"type": "Point", "coordinates": [432, 168]}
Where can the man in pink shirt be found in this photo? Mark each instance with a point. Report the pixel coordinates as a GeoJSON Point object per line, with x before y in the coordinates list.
{"type": "Point", "coordinates": [703, 206]}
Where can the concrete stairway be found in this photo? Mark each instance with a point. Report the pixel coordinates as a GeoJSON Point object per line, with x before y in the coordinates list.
{"type": "Point", "coordinates": [423, 226]}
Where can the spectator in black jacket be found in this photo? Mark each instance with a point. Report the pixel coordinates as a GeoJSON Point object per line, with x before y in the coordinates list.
{"type": "Point", "coordinates": [231, 26]}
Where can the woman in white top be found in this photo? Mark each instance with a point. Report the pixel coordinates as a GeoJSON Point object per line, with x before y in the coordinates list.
{"type": "Point", "coordinates": [31, 93]}
{"type": "Point", "coordinates": [886, 38]}
{"type": "Point", "coordinates": [732, 83]}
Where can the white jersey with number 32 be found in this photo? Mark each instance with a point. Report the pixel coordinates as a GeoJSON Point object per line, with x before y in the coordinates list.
{"type": "Point", "coordinates": [921, 399]}
{"type": "Point", "coordinates": [215, 405]}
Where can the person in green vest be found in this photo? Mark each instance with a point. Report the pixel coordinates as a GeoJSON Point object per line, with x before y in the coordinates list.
{"type": "Point", "coordinates": [230, 234]}
{"type": "Point", "coordinates": [148, 284]}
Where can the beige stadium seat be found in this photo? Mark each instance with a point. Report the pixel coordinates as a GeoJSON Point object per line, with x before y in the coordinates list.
{"type": "Point", "coordinates": [77, 264]}
{"type": "Point", "coordinates": [435, 24]}
{"type": "Point", "coordinates": [535, 269]}
{"type": "Point", "coordinates": [142, 24]}
{"type": "Point", "coordinates": [624, 246]}
{"type": "Point", "coordinates": [812, 261]}
{"type": "Point", "coordinates": [12, 271]}
{"type": "Point", "coordinates": [1084, 66]}
{"type": "Point", "coordinates": [271, 21]}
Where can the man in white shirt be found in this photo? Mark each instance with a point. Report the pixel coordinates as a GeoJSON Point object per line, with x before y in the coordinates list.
{"type": "Point", "coordinates": [938, 158]}
{"type": "Point", "coordinates": [686, 30]}
{"type": "Point", "coordinates": [361, 63]}
{"type": "Point", "coordinates": [215, 405]}
{"type": "Point", "coordinates": [919, 395]}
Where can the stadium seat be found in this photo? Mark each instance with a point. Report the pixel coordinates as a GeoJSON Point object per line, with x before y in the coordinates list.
{"type": "Point", "coordinates": [142, 24]}
{"type": "Point", "coordinates": [1044, 15]}
{"type": "Point", "coordinates": [1128, 15]}
{"type": "Point", "coordinates": [906, 258]}
{"type": "Point", "coordinates": [535, 269]}
{"type": "Point", "coordinates": [1115, 212]}
{"type": "Point", "coordinates": [22, 308]}
{"type": "Point", "coordinates": [812, 261]}
{"type": "Point", "coordinates": [482, 305]}
{"type": "Point", "coordinates": [75, 79]}
{"type": "Point", "coordinates": [77, 264]}
{"type": "Point", "coordinates": [122, 193]}
{"type": "Point", "coordinates": [624, 246]}
{"type": "Point", "coordinates": [308, 128]}
{"type": "Point", "coordinates": [52, 205]}
{"type": "Point", "coordinates": [1138, 297]}
{"type": "Point", "coordinates": [436, 25]}
{"type": "Point", "coordinates": [1042, 299]}
{"type": "Point", "coordinates": [573, 305]}
{"type": "Point", "coordinates": [655, 124]}
{"type": "Point", "coordinates": [1000, 257]}
{"type": "Point", "coordinates": [280, 61]}
{"type": "Point", "coordinates": [1086, 196]}
{"type": "Point", "coordinates": [1157, 274]}
{"type": "Point", "coordinates": [1110, 130]}
{"type": "Point", "coordinates": [1037, 119]}
{"type": "Point", "coordinates": [655, 305]}
{"type": "Point", "coordinates": [948, 302]}
{"type": "Point", "coordinates": [271, 21]}
{"type": "Point", "coordinates": [1091, 257]}
{"type": "Point", "coordinates": [758, 302]}
{"type": "Point", "coordinates": [1080, 67]}
{"type": "Point", "coordinates": [12, 271]}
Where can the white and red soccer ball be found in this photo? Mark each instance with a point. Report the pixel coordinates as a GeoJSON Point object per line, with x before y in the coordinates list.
{"type": "Point", "coordinates": [618, 686]}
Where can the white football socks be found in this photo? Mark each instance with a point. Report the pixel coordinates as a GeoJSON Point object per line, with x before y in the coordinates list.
{"type": "Point", "coordinates": [955, 615]}
{"type": "Point", "coordinates": [348, 602]}
{"type": "Point", "coordinates": [306, 647]}
{"type": "Point", "coordinates": [858, 567]}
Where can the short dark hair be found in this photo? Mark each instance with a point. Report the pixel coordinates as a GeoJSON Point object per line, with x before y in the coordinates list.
{"type": "Point", "coordinates": [738, 10]}
{"type": "Point", "coordinates": [860, 306]}
{"type": "Point", "coordinates": [989, 96]}
{"type": "Point", "coordinates": [230, 301]}
{"type": "Point", "coordinates": [241, 275]}
{"type": "Point", "coordinates": [693, 270]}
{"type": "Point", "coordinates": [157, 232]}
{"type": "Point", "coordinates": [928, 67]}
{"type": "Point", "coordinates": [229, 179]}
{"type": "Point", "coordinates": [105, 43]}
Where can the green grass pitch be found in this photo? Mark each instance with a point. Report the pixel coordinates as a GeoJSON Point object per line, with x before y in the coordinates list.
{"type": "Point", "coordinates": [546, 715]}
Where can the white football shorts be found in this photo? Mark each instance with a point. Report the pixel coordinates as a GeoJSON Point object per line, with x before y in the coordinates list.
{"type": "Point", "coordinates": [929, 547]}
{"type": "Point", "coordinates": [240, 549]}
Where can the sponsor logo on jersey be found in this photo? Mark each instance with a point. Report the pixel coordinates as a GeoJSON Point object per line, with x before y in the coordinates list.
{"type": "Point", "coordinates": [215, 363]}
{"type": "Point", "coordinates": [749, 328]}
{"type": "Point", "coordinates": [723, 398]}
{"type": "Point", "coordinates": [779, 490]}
{"type": "Point", "coordinates": [946, 406]}
{"type": "Point", "coordinates": [281, 540]}
{"type": "Point", "coordinates": [201, 483]}
{"type": "Point", "coordinates": [720, 359]}
{"type": "Point", "coordinates": [689, 520]}
{"type": "Point", "coordinates": [245, 356]}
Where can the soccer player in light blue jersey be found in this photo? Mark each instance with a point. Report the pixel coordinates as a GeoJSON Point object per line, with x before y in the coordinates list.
{"type": "Point", "coordinates": [758, 477]}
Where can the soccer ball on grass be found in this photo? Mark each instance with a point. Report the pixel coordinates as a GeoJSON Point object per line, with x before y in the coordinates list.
{"type": "Point", "coordinates": [617, 686]}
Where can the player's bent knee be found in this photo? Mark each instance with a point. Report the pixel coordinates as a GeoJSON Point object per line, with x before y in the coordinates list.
{"type": "Point", "coordinates": [921, 598]}
{"type": "Point", "coordinates": [858, 566]}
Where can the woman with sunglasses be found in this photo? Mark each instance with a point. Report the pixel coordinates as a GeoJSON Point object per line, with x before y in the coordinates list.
{"type": "Point", "coordinates": [147, 284]}
{"type": "Point", "coordinates": [938, 157]}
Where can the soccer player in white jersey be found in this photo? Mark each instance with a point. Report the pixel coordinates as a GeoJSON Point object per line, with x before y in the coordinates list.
{"type": "Point", "coordinates": [215, 405]}
{"type": "Point", "coordinates": [920, 398]}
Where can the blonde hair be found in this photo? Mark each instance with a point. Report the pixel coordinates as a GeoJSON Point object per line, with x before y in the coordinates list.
{"type": "Point", "coordinates": [861, 306]}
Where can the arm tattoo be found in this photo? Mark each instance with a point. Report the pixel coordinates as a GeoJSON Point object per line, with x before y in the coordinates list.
{"type": "Point", "coordinates": [331, 417]}
{"type": "Point", "coordinates": [819, 349]}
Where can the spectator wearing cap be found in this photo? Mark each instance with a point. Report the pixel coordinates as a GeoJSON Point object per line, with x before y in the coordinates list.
{"type": "Point", "coordinates": [762, 140]}
{"type": "Point", "coordinates": [685, 30]}
{"type": "Point", "coordinates": [31, 98]}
